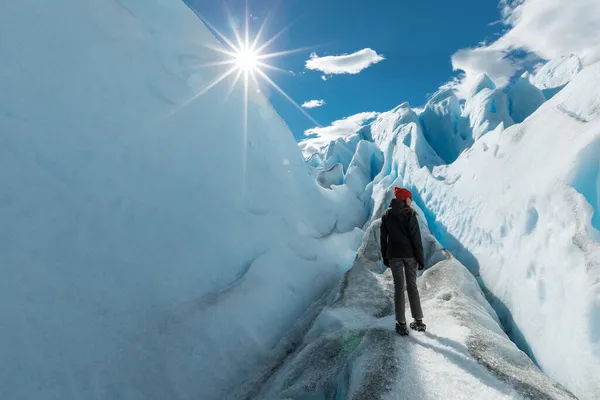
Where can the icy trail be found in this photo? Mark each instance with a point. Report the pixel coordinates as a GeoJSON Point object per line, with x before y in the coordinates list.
{"type": "Point", "coordinates": [352, 351]}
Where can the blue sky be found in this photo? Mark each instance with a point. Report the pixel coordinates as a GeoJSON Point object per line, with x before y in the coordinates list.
{"type": "Point", "coordinates": [420, 40]}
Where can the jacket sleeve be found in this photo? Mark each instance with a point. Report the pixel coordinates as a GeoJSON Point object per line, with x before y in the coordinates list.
{"type": "Point", "coordinates": [415, 238]}
{"type": "Point", "coordinates": [383, 238]}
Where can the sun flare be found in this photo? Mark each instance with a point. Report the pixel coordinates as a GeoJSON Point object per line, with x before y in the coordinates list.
{"type": "Point", "coordinates": [246, 60]}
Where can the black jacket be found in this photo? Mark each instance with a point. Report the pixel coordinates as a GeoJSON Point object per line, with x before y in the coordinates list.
{"type": "Point", "coordinates": [400, 235]}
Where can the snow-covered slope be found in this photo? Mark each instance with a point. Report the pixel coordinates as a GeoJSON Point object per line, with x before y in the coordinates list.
{"type": "Point", "coordinates": [520, 209]}
{"type": "Point", "coordinates": [555, 74]}
{"type": "Point", "coordinates": [148, 249]}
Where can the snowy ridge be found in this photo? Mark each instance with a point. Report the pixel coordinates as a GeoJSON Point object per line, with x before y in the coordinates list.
{"type": "Point", "coordinates": [555, 74]}
{"type": "Point", "coordinates": [519, 208]}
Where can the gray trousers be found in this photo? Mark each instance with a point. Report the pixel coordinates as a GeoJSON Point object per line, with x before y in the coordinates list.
{"type": "Point", "coordinates": [402, 267]}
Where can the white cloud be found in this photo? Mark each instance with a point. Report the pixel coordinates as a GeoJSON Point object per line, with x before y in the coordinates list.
{"type": "Point", "coordinates": [344, 64]}
{"type": "Point", "coordinates": [553, 28]}
{"type": "Point", "coordinates": [342, 127]}
{"type": "Point", "coordinates": [309, 147]}
{"type": "Point", "coordinates": [337, 129]}
{"type": "Point", "coordinates": [492, 60]}
{"type": "Point", "coordinates": [543, 28]}
{"type": "Point", "coordinates": [313, 104]}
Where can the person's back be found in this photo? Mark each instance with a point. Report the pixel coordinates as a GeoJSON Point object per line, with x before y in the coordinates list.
{"type": "Point", "coordinates": [403, 234]}
{"type": "Point", "coordinates": [402, 251]}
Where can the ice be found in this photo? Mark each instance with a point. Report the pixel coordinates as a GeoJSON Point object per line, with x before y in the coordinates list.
{"type": "Point", "coordinates": [331, 176]}
{"type": "Point", "coordinates": [444, 127]}
{"type": "Point", "coordinates": [523, 98]}
{"type": "Point", "coordinates": [339, 151]}
{"type": "Point", "coordinates": [348, 191]}
{"type": "Point", "coordinates": [150, 249]}
{"type": "Point", "coordinates": [487, 110]}
{"type": "Point", "coordinates": [314, 160]}
{"type": "Point", "coordinates": [402, 125]}
{"type": "Point", "coordinates": [555, 74]}
{"type": "Point", "coordinates": [482, 82]}
{"type": "Point", "coordinates": [365, 165]}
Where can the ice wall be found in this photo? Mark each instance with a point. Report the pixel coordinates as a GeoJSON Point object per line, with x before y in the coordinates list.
{"type": "Point", "coordinates": [149, 247]}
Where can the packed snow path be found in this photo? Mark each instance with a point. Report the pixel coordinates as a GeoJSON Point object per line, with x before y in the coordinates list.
{"type": "Point", "coordinates": [352, 351]}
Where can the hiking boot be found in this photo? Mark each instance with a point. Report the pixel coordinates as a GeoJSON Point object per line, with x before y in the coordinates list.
{"type": "Point", "coordinates": [401, 329]}
{"type": "Point", "coordinates": [418, 326]}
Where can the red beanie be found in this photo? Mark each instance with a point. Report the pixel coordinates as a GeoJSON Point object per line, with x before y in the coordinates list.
{"type": "Point", "coordinates": [402, 194]}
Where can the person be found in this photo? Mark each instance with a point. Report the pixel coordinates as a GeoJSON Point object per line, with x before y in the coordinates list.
{"type": "Point", "coordinates": [402, 251]}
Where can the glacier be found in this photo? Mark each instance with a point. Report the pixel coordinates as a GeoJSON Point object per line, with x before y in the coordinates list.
{"type": "Point", "coordinates": [155, 246]}
{"type": "Point", "coordinates": [518, 207]}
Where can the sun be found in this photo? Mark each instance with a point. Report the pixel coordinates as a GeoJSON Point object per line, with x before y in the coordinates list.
{"type": "Point", "coordinates": [246, 60]}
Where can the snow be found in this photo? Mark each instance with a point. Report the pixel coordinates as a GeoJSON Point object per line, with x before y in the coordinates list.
{"type": "Point", "coordinates": [351, 350]}
{"type": "Point", "coordinates": [149, 249]}
{"type": "Point", "coordinates": [555, 74]}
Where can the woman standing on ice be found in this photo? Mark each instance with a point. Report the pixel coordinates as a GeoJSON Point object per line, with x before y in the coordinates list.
{"type": "Point", "coordinates": [402, 251]}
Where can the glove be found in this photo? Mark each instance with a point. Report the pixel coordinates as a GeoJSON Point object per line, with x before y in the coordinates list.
{"type": "Point", "coordinates": [386, 262]}
{"type": "Point", "coordinates": [420, 267]}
